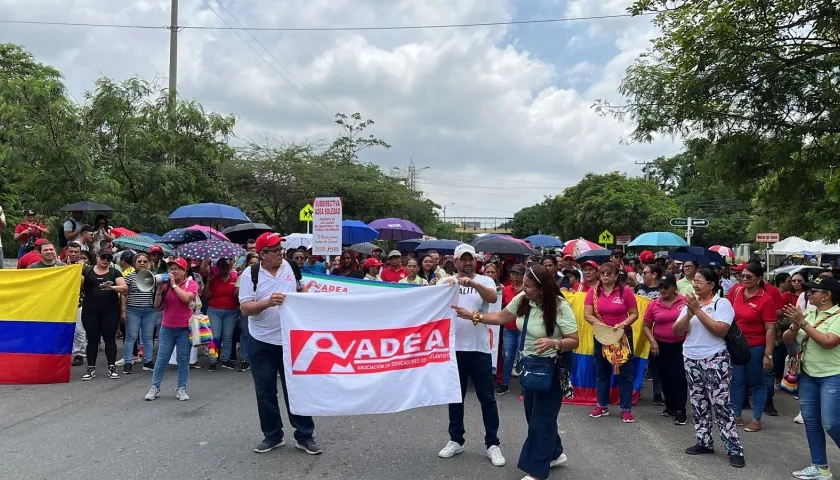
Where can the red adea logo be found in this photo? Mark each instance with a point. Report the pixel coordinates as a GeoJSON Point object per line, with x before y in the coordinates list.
{"type": "Point", "coordinates": [316, 287]}
{"type": "Point", "coordinates": [369, 351]}
{"type": "Point", "coordinates": [288, 277]}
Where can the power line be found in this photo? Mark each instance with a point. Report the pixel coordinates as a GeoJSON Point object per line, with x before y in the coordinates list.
{"type": "Point", "coordinates": [328, 29]}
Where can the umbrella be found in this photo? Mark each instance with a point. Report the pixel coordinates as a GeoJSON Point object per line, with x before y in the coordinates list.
{"type": "Point", "coordinates": [408, 245]}
{"type": "Point", "coordinates": [658, 239]}
{"type": "Point", "coordinates": [140, 242]}
{"type": "Point", "coordinates": [355, 231]}
{"type": "Point", "coordinates": [723, 251]}
{"type": "Point", "coordinates": [599, 255]}
{"type": "Point", "coordinates": [183, 235]}
{"type": "Point", "coordinates": [86, 207]}
{"type": "Point", "coordinates": [150, 235]}
{"type": "Point", "coordinates": [445, 247]}
{"type": "Point", "coordinates": [245, 231]}
{"type": "Point", "coordinates": [215, 213]}
{"type": "Point", "coordinates": [212, 231]}
{"type": "Point", "coordinates": [395, 229]}
{"type": "Point", "coordinates": [297, 240]}
{"type": "Point", "coordinates": [544, 241]}
{"type": "Point", "coordinates": [576, 247]}
{"type": "Point", "coordinates": [209, 250]}
{"type": "Point", "coordinates": [118, 232]}
{"type": "Point", "coordinates": [698, 254]}
{"type": "Point", "coordinates": [365, 248]}
{"type": "Point", "coordinates": [503, 245]}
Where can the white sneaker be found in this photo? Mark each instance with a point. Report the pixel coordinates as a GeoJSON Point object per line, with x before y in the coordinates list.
{"type": "Point", "coordinates": [558, 461]}
{"type": "Point", "coordinates": [154, 392]}
{"type": "Point", "coordinates": [120, 362]}
{"type": "Point", "coordinates": [494, 453]}
{"type": "Point", "coordinates": [799, 419]}
{"type": "Point", "coordinates": [451, 449]}
{"type": "Point", "coordinates": [181, 394]}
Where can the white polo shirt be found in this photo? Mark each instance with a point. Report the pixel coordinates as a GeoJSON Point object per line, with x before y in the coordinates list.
{"type": "Point", "coordinates": [469, 337]}
{"type": "Point", "coordinates": [266, 327]}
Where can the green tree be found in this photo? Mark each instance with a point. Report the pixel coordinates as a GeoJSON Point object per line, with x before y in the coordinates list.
{"type": "Point", "coordinates": [538, 218]}
{"type": "Point", "coordinates": [352, 140]}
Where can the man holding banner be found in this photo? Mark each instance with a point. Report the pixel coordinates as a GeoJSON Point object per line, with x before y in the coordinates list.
{"type": "Point", "coordinates": [472, 345]}
{"type": "Point", "coordinates": [259, 299]}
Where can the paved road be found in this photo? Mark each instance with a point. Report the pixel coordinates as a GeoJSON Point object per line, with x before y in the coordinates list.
{"type": "Point", "coordinates": [104, 429]}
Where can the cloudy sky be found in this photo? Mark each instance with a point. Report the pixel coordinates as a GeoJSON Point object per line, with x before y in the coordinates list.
{"type": "Point", "coordinates": [497, 117]}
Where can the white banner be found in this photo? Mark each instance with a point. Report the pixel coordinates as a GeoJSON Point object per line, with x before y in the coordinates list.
{"type": "Point", "coordinates": [326, 226]}
{"type": "Point", "coordinates": [362, 354]}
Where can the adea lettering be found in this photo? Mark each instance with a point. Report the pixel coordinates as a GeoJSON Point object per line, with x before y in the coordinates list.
{"type": "Point", "coordinates": [328, 210]}
{"type": "Point", "coordinates": [359, 352]}
{"type": "Point", "coordinates": [316, 287]}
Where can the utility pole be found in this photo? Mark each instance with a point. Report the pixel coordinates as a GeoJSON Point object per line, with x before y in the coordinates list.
{"type": "Point", "coordinates": [645, 169]}
{"type": "Point", "coordinates": [444, 210]}
{"type": "Point", "coordinates": [173, 78]}
{"type": "Point", "coordinates": [413, 172]}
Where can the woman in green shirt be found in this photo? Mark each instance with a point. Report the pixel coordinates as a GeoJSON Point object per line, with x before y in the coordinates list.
{"type": "Point", "coordinates": [818, 336]}
{"type": "Point", "coordinates": [552, 329]}
{"type": "Point", "coordinates": [413, 268]}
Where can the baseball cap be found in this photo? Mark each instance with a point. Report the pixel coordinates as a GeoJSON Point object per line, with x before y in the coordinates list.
{"type": "Point", "coordinates": [739, 267]}
{"type": "Point", "coordinates": [41, 241]}
{"type": "Point", "coordinates": [715, 265]}
{"type": "Point", "coordinates": [464, 249]}
{"type": "Point", "coordinates": [618, 251]}
{"type": "Point", "coordinates": [178, 261]}
{"type": "Point", "coordinates": [519, 268]}
{"type": "Point", "coordinates": [371, 262]}
{"type": "Point", "coordinates": [394, 253]}
{"type": "Point", "coordinates": [127, 257]}
{"type": "Point", "coordinates": [668, 280]}
{"type": "Point", "coordinates": [589, 263]}
{"type": "Point", "coordinates": [29, 212]}
{"type": "Point", "coordinates": [825, 283]}
{"type": "Point", "coordinates": [646, 256]}
{"type": "Point", "coordinates": [573, 271]}
{"type": "Point", "coordinates": [267, 240]}
{"type": "Point", "coordinates": [156, 249]}
{"type": "Point", "coordinates": [106, 252]}
{"type": "Point", "coordinates": [568, 256]}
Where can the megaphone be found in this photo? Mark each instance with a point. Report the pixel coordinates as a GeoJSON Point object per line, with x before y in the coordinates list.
{"type": "Point", "coordinates": [147, 281]}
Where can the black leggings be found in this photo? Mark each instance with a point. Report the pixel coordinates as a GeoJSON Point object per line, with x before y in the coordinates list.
{"type": "Point", "coordinates": [101, 323]}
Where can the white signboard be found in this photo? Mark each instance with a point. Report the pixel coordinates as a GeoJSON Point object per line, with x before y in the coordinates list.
{"type": "Point", "coordinates": [326, 226]}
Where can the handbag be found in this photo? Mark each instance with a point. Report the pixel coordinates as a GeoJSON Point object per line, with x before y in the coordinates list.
{"type": "Point", "coordinates": [200, 333]}
{"type": "Point", "coordinates": [535, 373]}
{"type": "Point", "coordinates": [790, 379]}
{"type": "Point", "coordinates": [736, 343]}
{"type": "Point", "coordinates": [618, 353]}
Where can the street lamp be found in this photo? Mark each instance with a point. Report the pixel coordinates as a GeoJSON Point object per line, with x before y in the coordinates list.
{"type": "Point", "coordinates": [444, 210]}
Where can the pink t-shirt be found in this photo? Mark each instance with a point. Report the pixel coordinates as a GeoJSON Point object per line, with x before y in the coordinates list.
{"type": "Point", "coordinates": [613, 308]}
{"type": "Point", "coordinates": [176, 313]}
{"type": "Point", "coordinates": [663, 318]}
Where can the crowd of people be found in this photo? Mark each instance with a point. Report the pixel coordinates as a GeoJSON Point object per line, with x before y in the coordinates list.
{"type": "Point", "coordinates": [788, 320]}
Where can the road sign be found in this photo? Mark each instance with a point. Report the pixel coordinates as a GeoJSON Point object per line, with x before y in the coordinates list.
{"type": "Point", "coordinates": [767, 237]}
{"type": "Point", "coordinates": [699, 222]}
{"type": "Point", "coordinates": [306, 213]}
{"type": "Point", "coordinates": [623, 239]}
{"type": "Point", "coordinates": [606, 238]}
{"type": "Point", "coordinates": [679, 222]}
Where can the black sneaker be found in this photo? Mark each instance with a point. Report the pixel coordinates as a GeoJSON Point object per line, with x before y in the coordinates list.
{"type": "Point", "coordinates": [770, 409]}
{"type": "Point", "coordinates": [309, 446]}
{"type": "Point", "coordinates": [502, 389]}
{"type": "Point", "coordinates": [269, 445]}
{"type": "Point", "coordinates": [112, 372]}
{"type": "Point", "coordinates": [127, 369]}
{"type": "Point", "coordinates": [149, 366]}
{"type": "Point", "coordinates": [680, 418]}
{"type": "Point", "coordinates": [658, 400]}
{"type": "Point", "coordinates": [737, 461]}
{"type": "Point", "coordinates": [212, 367]}
{"type": "Point", "coordinates": [666, 413]}
{"type": "Point", "coordinates": [78, 360]}
{"type": "Point", "coordinates": [91, 374]}
{"type": "Point", "coordinates": [244, 366]}
{"type": "Point", "coordinates": [229, 364]}
{"type": "Point", "coordinates": [698, 449]}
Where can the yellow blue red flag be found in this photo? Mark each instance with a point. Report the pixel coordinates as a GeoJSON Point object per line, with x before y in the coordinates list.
{"type": "Point", "coordinates": [37, 321]}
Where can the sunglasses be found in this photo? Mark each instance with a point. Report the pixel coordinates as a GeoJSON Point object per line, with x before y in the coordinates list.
{"type": "Point", "coordinates": [747, 276]}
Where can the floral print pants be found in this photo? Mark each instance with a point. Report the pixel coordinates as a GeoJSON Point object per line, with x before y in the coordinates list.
{"type": "Point", "coordinates": [708, 385]}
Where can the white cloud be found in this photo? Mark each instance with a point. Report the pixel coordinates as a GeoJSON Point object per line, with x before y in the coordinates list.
{"type": "Point", "coordinates": [498, 127]}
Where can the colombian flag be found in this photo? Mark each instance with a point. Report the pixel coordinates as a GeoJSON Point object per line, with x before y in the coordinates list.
{"type": "Point", "coordinates": [583, 372]}
{"type": "Point", "coordinates": [37, 322]}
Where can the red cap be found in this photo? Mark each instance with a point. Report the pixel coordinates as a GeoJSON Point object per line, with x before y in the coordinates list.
{"type": "Point", "coordinates": [41, 241]}
{"type": "Point", "coordinates": [156, 249]}
{"type": "Point", "coordinates": [568, 255]}
{"type": "Point", "coordinates": [267, 240]}
{"type": "Point", "coordinates": [589, 263]}
{"type": "Point", "coordinates": [647, 256]}
{"type": "Point", "coordinates": [180, 262]}
{"type": "Point", "coordinates": [371, 262]}
{"type": "Point", "coordinates": [739, 267]}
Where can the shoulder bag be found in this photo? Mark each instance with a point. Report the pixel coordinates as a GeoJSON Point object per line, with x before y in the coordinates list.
{"type": "Point", "coordinates": [736, 342]}
{"type": "Point", "coordinates": [535, 373]}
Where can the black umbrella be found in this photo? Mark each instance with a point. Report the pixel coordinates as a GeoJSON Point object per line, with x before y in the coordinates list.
{"type": "Point", "coordinates": [597, 255]}
{"type": "Point", "coordinates": [86, 207]}
{"type": "Point", "coordinates": [245, 231]}
{"type": "Point", "coordinates": [504, 246]}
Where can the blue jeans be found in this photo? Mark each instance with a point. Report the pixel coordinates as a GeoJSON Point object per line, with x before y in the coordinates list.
{"type": "Point", "coordinates": [245, 338]}
{"type": "Point", "coordinates": [819, 399]}
{"type": "Point", "coordinates": [603, 377]}
{"type": "Point", "coordinates": [169, 339]}
{"type": "Point", "coordinates": [222, 323]}
{"type": "Point", "coordinates": [753, 374]}
{"type": "Point", "coordinates": [139, 320]}
{"type": "Point", "coordinates": [478, 367]}
{"type": "Point", "coordinates": [543, 443]}
{"type": "Point", "coordinates": [510, 345]}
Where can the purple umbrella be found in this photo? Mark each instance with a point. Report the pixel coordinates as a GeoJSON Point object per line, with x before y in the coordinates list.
{"type": "Point", "coordinates": [395, 229]}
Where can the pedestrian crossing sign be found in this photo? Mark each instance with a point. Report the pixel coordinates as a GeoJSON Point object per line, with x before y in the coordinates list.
{"type": "Point", "coordinates": [306, 213]}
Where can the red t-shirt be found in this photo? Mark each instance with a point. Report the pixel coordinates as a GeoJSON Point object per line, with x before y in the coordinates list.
{"type": "Point", "coordinates": [221, 293]}
{"type": "Point", "coordinates": [776, 294]}
{"type": "Point", "coordinates": [663, 318]}
{"type": "Point", "coordinates": [22, 227]}
{"type": "Point", "coordinates": [789, 298]}
{"type": "Point", "coordinates": [176, 313]}
{"type": "Point", "coordinates": [581, 287]}
{"type": "Point", "coordinates": [508, 293]}
{"type": "Point", "coordinates": [388, 274]}
{"type": "Point", "coordinates": [613, 308]}
{"type": "Point", "coordinates": [753, 313]}
{"type": "Point", "coordinates": [28, 259]}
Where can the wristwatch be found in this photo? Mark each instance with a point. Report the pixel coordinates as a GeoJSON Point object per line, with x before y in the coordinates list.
{"type": "Point", "coordinates": [769, 357]}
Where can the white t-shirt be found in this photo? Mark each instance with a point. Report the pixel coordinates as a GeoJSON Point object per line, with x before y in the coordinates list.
{"type": "Point", "coordinates": [803, 304]}
{"type": "Point", "coordinates": [2, 220]}
{"type": "Point", "coordinates": [469, 337]}
{"type": "Point", "coordinates": [69, 226]}
{"type": "Point", "coordinates": [266, 327]}
{"type": "Point", "coordinates": [700, 343]}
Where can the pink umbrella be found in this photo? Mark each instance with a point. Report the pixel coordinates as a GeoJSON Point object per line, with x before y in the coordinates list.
{"type": "Point", "coordinates": [723, 251]}
{"type": "Point", "coordinates": [211, 231]}
{"type": "Point", "coordinates": [576, 247]}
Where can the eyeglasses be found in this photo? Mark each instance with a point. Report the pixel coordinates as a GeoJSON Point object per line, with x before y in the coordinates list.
{"type": "Point", "coordinates": [699, 282]}
{"type": "Point", "coordinates": [141, 262]}
{"type": "Point", "coordinates": [272, 250]}
{"type": "Point", "coordinates": [606, 274]}
{"type": "Point", "coordinates": [796, 281]}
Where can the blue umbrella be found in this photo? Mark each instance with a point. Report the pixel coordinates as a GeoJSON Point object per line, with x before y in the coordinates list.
{"type": "Point", "coordinates": [598, 255]}
{"type": "Point", "coordinates": [544, 241]}
{"type": "Point", "coordinates": [445, 247]}
{"type": "Point", "coordinates": [658, 239]}
{"type": "Point", "coordinates": [155, 236]}
{"type": "Point", "coordinates": [209, 213]}
{"type": "Point", "coordinates": [698, 254]}
{"type": "Point", "coordinates": [183, 235]}
{"type": "Point", "coordinates": [355, 231]}
{"type": "Point", "coordinates": [408, 245]}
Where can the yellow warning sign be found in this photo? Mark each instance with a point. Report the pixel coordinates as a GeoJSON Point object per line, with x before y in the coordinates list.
{"type": "Point", "coordinates": [306, 213]}
{"type": "Point", "coordinates": [606, 238]}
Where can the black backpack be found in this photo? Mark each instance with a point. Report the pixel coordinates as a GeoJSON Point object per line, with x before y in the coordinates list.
{"type": "Point", "coordinates": [62, 240]}
{"type": "Point", "coordinates": [736, 343]}
{"type": "Point", "coordinates": [255, 274]}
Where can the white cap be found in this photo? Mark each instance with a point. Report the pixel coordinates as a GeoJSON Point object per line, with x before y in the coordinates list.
{"type": "Point", "coordinates": [464, 248]}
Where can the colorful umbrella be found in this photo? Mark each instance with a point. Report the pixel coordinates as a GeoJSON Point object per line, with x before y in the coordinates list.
{"type": "Point", "coordinates": [396, 229]}
{"type": "Point", "coordinates": [212, 231]}
{"type": "Point", "coordinates": [723, 251]}
{"type": "Point", "coordinates": [118, 232]}
{"type": "Point", "coordinates": [210, 213]}
{"type": "Point", "coordinates": [355, 231]}
{"type": "Point", "coordinates": [183, 235]}
{"type": "Point", "coordinates": [544, 241]}
{"type": "Point", "coordinates": [576, 247]}
{"type": "Point", "coordinates": [658, 239]}
{"type": "Point", "coordinates": [209, 250]}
